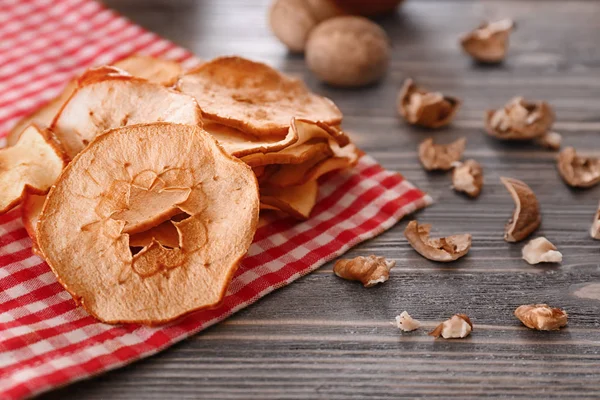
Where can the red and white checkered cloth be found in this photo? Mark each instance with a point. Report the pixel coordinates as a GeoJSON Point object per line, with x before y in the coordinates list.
{"type": "Point", "coordinates": [45, 339]}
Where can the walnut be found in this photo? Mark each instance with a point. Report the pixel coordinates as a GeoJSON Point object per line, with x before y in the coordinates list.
{"type": "Point", "coordinates": [406, 323]}
{"type": "Point", "coordinates": [541, 317]}
{"type": "Point", "coordinates": [444, 249]}
{"type": "Point", "coordinates": [595, 229]}
{"type": "Point", "coordinates": [292, 20]}
{"type": "Point", "coordinates": [526, 216]}
{"type": "Point", "coordinates": [540, 250]}
{"type": "Point", "coordinates": [577, 171]}
{"type": "Point", "coordinates": [421, 107]}
{"type": "Point", "coordinates": [489, 42]}
{"type": "Point", "coordinates": [348, 51]}
{"type": "Point", "coordinates": [467, 177]}
{"type": "Point", "coordinates": [440, 156]}
{"type": "Point", "coordinates": [520, 120]}
{"type": "Point", "coordinates": [369, 270]}
{"type": "Point", "coordinates": [456, 327]}
{"type": "Point", "coordinates": [551, 140]}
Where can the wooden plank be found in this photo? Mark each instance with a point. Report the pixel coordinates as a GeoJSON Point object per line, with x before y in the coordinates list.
{"type": "Point", "coordinates": [323, 337]}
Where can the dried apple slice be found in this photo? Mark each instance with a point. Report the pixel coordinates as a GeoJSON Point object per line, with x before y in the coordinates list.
{"type": "Point", "coordinates": [313, 139]}
{"type": "Point", "coordinates": [253, 97]}
{"type": "Point", "coordinates": [297, 201]}
{"type": "Point", "coordinates": [31, 165]}
{"type": "Point", "coordinates": [31, 208]}
{"type": "Point", "coordinates": [313, 168]}
{"type": "Point", "coordinates": [81, 230]}
{"type": "Point", "coordinates": [240, 144]}
{"type": "Point", "coordinates": [154, 69]}
{"type": "Point", "coordinates": [107, 98]}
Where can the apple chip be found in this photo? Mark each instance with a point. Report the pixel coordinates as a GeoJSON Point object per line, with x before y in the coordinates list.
{"type": "Point", "coordinates": [313, 168]}
{"type": "Point", "coordinates": [156, 70]}
{"type": "Point", "coordinates": [253, 97]}
{"type": "Point", "coordinates": [82, 230]}
{"type": "Point", "coordinates": [31, 165]}
{"type": "Point", "coordinates": [31, 208]}
{"type": "Point", "coordinates": [240, 144]}
{"type": "Point", "coordinates": [108, 98]}
{"type": "Point", "coordinates": [313, 139]}
{"type": "Point", "coordinates": [297, 201]}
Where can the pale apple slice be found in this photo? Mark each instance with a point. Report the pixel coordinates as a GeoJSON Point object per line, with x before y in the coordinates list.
{"type": "Point", "coordinates": [313, 139]}
{"type": "Point", "coordinates": [156, 70]}
{"type": "Point", "coordinates": [297, 201]}
{"type": "Point", "coordinates": [253, 97]}
{"type": "Point", "coordinates": [240, 144]}
{"type": "Point", "coordinates": [31, 165]}
{"type": "Point", "coordinates": [108, 98]}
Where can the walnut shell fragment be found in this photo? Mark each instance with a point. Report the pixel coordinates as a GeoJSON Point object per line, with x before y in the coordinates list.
{"type": "Point", "coordinates": [428, 109]}
{"type": "Point", "coordinates": [520, 119]}
{"type": "Point", "coordinates": [348, 51]}
{"type": "Point", "coordinates": [551, 140]}
{"type": "Point", "coordinates": [443, 249]}
{"type": "Point", "coordinates": [254, 97]}
{"type": "Point", "coordinates": [132, 177]}
{"type": "Point", "coordinates": [595, 229]}
{"type": "Point", "coordinates": [440, 156]}
{"type": "Point", "coordinates": [108, 98]}
{"type": "Point", "coordinates": [369, 270]}
{"type": "Point", "coordinates": [467, 178]}
{"type": "Point", "coordinates": [406, 323]}
{"type": "Point", "coordinates": [456, 327]}
{"type": "Point", "coordinates": [489, 42]}
{"type": "Point", "coordinates": [541, 317]}
{"type": "Point", "coordinates": [578, 171]}
{"type": "Point", "coordinates": [30, 166]}
{"type": "Point", "coordinates": [541, 250]}
{"type": "Point", "coordinates": [526, 217]}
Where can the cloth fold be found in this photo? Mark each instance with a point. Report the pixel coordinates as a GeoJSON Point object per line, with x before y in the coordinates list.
{"type": "Point", "coordinates": [47, 341]}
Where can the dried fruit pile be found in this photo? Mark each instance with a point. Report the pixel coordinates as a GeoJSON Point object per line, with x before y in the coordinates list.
{"type": "Point", "coordinates": [142, 189]}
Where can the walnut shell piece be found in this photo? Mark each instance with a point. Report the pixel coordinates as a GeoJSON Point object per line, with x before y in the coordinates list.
{"type": "Point", "coordinates": [369, 270]}
{"type": "Point", "coordinates": [456, 327]}
{"type": "Point", "coordinates": [595, 229]}
{"type": "Point", "coordinates": [541, 250]}
{"type": "Point", "coordinates": [406, 323]}
{"type": "Point", "coordinates": [440, 156]}
{"type": "Point", "coordinates": [551, 140]}
{"type": "Point", "coordinates": [520, 119]}
{"type": "Point", "coordinates": [467, 178]}
{"type": "Point", "coordinates": [420, 107]}
{"type": "Point", "coordinates": [541, 317]}
{"type": "Point", "coordinates": [443, 249]}
{"type": "Point", "coordinates": [348, 51]}
{"type": "Point", "coordinates": [578, 171]}
{"type": "Point", "coordinates": [489, 42]}
{"type": "Point", "coordinates": [526, 216]}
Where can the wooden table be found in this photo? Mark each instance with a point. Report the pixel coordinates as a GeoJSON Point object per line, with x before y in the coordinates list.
{"type": "Point", "coordinates": [323, 337]}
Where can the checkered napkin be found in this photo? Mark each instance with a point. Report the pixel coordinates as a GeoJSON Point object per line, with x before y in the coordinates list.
{"type": "Point", "coordinates": [45, 339]}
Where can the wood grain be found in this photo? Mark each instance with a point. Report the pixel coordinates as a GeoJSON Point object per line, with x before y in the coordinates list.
{"type": "Point", "coordinates": [322, 337]}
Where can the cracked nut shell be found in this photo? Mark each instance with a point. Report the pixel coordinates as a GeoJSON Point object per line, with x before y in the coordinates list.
{"type": "Point", "coordinates": [520, 119]}
{"type": "Point", "coordinates": [541, 317]}
{"type": "Point", "coordinates": [440, 156]}
{"type": "Point", "coordinates": [578, 171]}
{"type": "Point", "coordinates": [368, 270]}
{"type": "Point", "coordinates": [526, 217]}
{"type": "Point", "coordinates": [420, 107]}
{"type": "Point", "coordinates": [443, 249]}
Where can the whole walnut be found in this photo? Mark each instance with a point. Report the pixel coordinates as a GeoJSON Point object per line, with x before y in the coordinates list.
{"type": "Point", "coordinates": [368, 8]}
{"type": "Point", "coordinates": [348, 51]}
